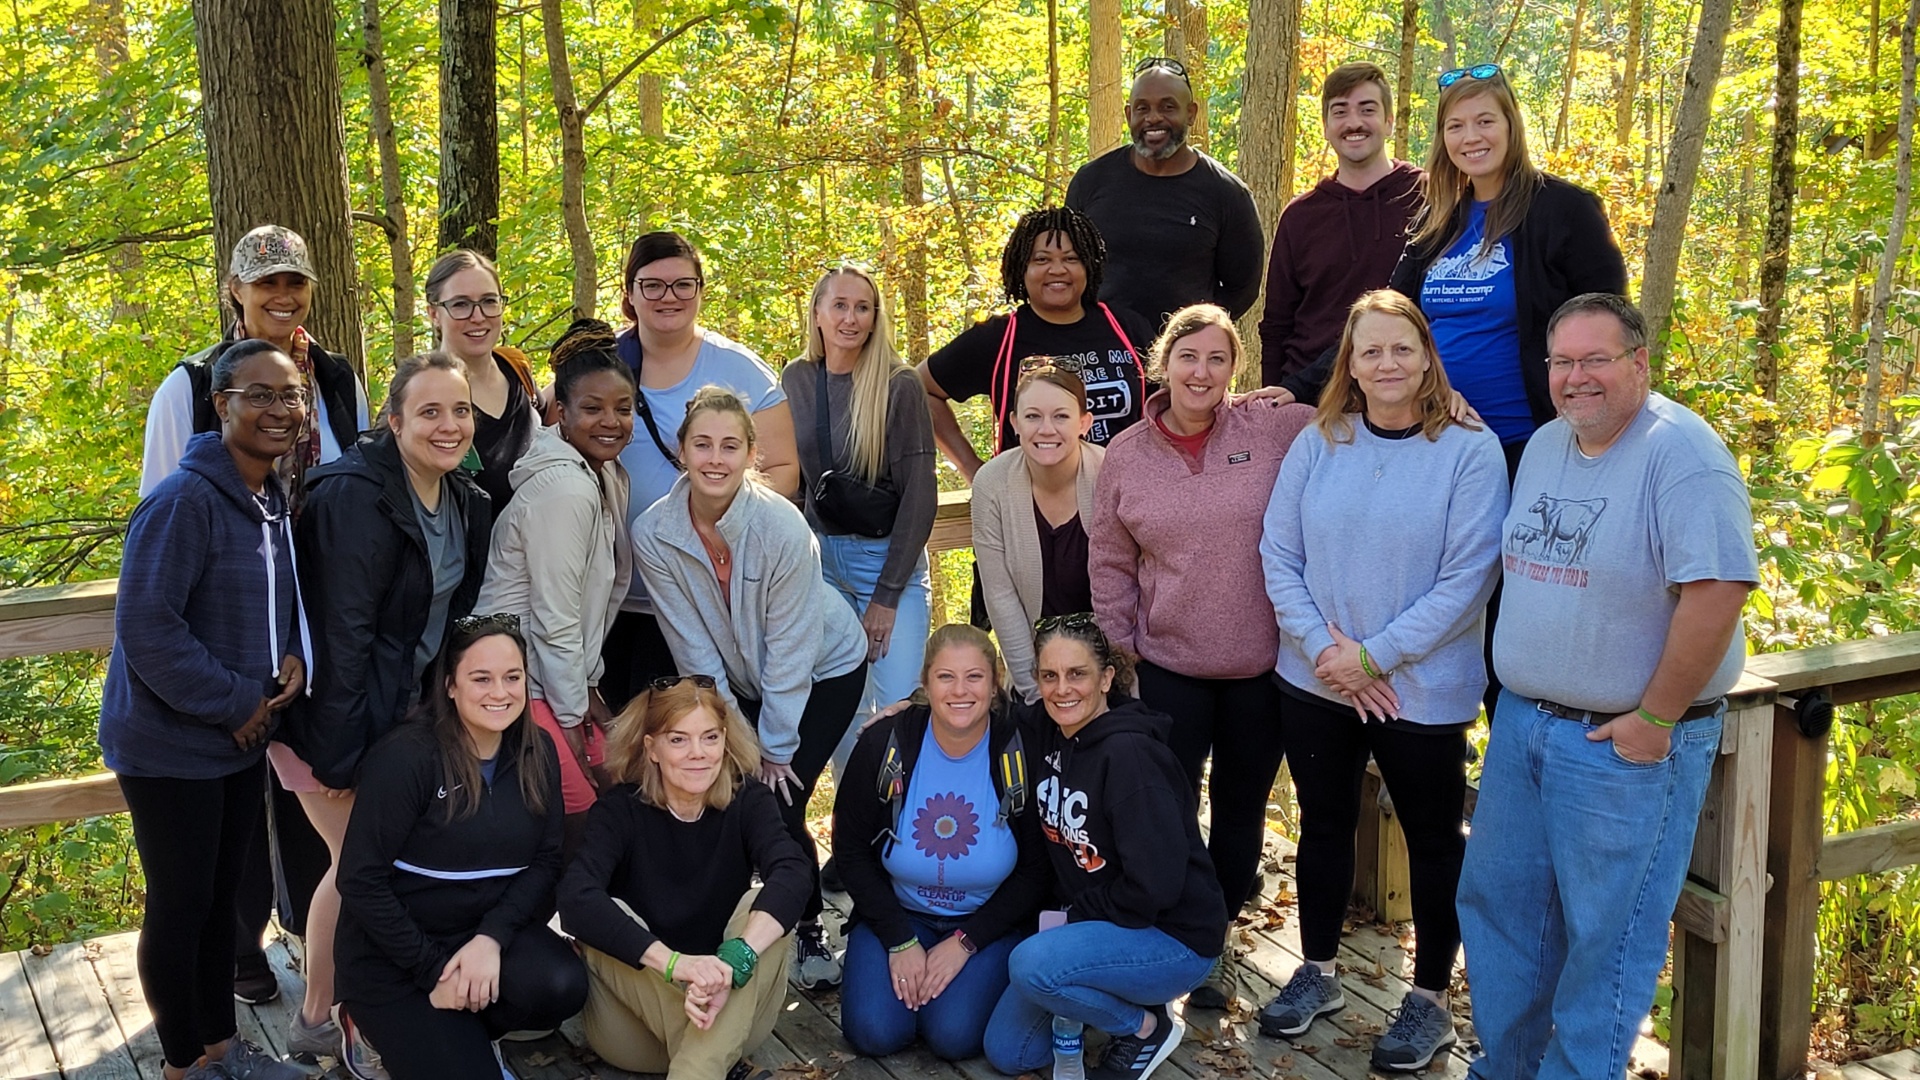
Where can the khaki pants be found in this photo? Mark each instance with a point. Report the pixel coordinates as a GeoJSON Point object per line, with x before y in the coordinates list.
{"type": "Point", "coordinates": [638, 1021]}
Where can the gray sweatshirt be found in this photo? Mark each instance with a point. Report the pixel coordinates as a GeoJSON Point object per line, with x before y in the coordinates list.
{"type": "Point", "coordinates": [1397, 542]}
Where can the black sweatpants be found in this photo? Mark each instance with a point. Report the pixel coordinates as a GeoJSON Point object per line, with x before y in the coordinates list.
{"type": "Point", "coordinates": [193, 837]}
{"type": "Point", "coordinates": [1238, 721]}
{"type": "Point", "coordinates": [542, 983]}
{"type": "Point", "coordinates": [1426, 773]}
{"type": "Point", "coordinates": [634, 654]}
{"type": "Point", "coordinates": [828, 714]}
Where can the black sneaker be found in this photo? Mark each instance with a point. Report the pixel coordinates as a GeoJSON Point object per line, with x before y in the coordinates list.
{"type": "Point", "coordinates": [747, 1070]}
{"type": "Point", "coordinates": [1130, 1057]}
{"type": "Point", "coordinates": [814, 965]}
{"type": "Point", "coordinates": [253, 981]}
{"type": "Point", "coordinates": [1218, 990]}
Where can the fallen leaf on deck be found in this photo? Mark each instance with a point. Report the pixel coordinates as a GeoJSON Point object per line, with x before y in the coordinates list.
{"type": "Point", "coordinates": [540, 1059]}
{"type": "Point", "coordinates": [1283, 1062]}
{"type": "Point", "coordinates": [1349, 1043]}
{"type": "Point", "coordinates": [1306, 1048]}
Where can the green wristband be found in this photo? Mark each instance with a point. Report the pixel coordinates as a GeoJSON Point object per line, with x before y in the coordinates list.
{"type": "Point", "coordinates": [738, 955]}
{"type": "Point", "coordinates": [671, 961]}
{"type": "Point", "coordinates": [1654, 720]}
{"type": "Point", "coordinates": [1366, 664]}
{"type": "Point", "coordinates": [905, 945]}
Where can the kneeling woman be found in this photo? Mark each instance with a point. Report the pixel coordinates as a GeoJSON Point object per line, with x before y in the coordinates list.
{"type": "Point", "coordinates": [943, 859]}
{"type": "Point", "coordinates": [1144, 914]}
{"type": "Point", "coordinates": [448, 871]}
{"type": "Point", "coordinates": [661, 895]}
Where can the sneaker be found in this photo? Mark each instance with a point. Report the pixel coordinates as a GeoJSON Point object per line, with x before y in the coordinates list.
{"type": "Point", "coordinates": [1307, 995]}
{"type": "Point", "coordinates": [814, 965]}
{"type": "Point", "coordinates": [357, 1055]}
{"type": "Point", "coordinates": [830, 877]}
{"type": "Point", "coordinates": [253, 981]}
{"type": "Point", "coordinates": [501, 1060]}
{"type": "Point", "coordinates": [1218, 989]}
{"type": "Point", "coordinates": [205, 1070]}
{"type": "Point", "coordinates": [1420, 1029]}
{"type": "Point", "coordinates": [747, 1070]}
{"type": "Point", "coordinates": [245, 1061]}
{"type": "Point", "coordinates": [320, 1040]}
{"type": "Point", "coordinates": [1130, 1057]}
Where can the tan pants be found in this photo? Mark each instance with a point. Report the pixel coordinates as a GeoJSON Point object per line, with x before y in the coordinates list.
{"type": "Point", "coordinates": [638, 1021]}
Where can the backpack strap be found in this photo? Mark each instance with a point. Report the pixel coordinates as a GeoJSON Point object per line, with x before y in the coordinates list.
{"type": "Point", "coordinates": [1139, 364]}
{"type": "Point", "coordinates": [1010, 776]}
{"type": "Point", "coordinates": [1006, 375]}
{"type": "Point", "coordinates": [893, 788]}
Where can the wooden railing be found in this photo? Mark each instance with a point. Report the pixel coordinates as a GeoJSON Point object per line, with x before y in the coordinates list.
{"type": "Point", "coordinates": [1743, 958]}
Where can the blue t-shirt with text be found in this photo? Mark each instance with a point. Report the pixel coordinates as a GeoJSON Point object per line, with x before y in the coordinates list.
{"type": "Point", "coordinates": [1469, 299]}
{"type": "Point", "coordinates": [952, 852]}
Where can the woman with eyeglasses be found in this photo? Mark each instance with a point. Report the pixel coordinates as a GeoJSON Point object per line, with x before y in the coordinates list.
{"type": "Point", "coordinates": [210, 643]}
{"type": "Point", "coordinates": [466, 306]}
{"type": "Point", "coordinates": [663, 284]}
{"type": "Point", "coordinates": [1031, 508]}
{"type": "Point", "coordinates": [687, 957]}
{"type": "Point", "coordinates": [448, 870]}
{"type": "Point", "coordinates": [561, 557]}
{"type": "Point", "coordinates": [1196, 616]}
{"type": "Point", "coordinates": [393, 545]}
{"type": "Point", "coordinates": [1380, 643]}
{"type": "Point", "coordinates": [1051, 269]}
{"type": "Point", "coordinates": [734, 572]}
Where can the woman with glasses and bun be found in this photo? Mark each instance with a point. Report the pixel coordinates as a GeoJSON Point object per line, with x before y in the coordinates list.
{"type": "Point", "coordinates": [561, 556]}
{"type": "Point", "coordinates": [663, 285]}
{"type": "Point", "coordinates": [687, 957]}
{"type": "Point", "coordinates": [467, 307]}
{"type": "Point", "coordinates": [448, 870]}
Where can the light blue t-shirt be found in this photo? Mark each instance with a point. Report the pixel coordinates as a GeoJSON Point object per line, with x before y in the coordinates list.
{"type": "Point", "coordinates": [952, 852]}
{"type": "Point", "coordinates": [1468, 298]}
{"type": "Point", "coordinates": [720, 362]}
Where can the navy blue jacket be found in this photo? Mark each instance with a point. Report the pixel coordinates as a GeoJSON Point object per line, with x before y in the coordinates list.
{"type": "Point", "coordinates": [207, 608]}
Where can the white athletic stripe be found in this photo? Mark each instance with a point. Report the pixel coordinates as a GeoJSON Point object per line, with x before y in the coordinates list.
{"type": "Point", "coordinates": [456, 875]}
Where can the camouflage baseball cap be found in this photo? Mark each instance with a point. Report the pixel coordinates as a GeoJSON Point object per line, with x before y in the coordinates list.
{"type": "Point", "coordinates": [271, 249]}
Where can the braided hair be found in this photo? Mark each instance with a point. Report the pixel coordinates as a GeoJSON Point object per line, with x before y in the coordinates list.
{"type": "Point", "coordinates": [1027, 234]}
{"type": "Point", "coordinates": [586, 346]}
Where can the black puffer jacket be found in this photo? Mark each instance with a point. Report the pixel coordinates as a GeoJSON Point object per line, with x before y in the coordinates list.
{"type": "Point", "coordinates": [369, 588]}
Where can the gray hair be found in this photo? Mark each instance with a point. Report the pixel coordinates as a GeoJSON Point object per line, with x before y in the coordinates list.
{"type": "Point", "coordinates": [1633, 325]}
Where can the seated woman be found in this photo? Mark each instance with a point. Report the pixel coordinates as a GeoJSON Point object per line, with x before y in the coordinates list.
{"type": "Point", "coordinates": [735, 576]}
{"type": "Point", "coordinates": [661, 896]}
{"type": "Point", "coordinates": [448, 871]}
{"type": "Point", "coordinates": [941, 855]}
{"type": "Point", "coordinates": [1144, 915]}
{"type": "Point", "coordinates": [1373, 626]}
{"type": "Point", "coordinates": [1031, 508]}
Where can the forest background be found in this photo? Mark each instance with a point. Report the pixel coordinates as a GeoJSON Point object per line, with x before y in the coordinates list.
{"type": "Point", "coordinates": [909, 135]}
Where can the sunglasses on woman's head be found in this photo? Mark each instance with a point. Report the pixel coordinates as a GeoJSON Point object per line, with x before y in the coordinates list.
{"type": "Point", "coordinates": [1079, 620]}
{"type": "Point", "coordinates": [478, 624]}
{"type": "Point", "coordinates": [1477, 71]}
{"type": "Point", "coordinates": [1073, 365]}
{"type": "Point", "coordinates": [668, 682]}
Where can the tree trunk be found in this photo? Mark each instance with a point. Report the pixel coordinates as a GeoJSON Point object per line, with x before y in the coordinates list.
{"type": "Point", "coordinates": [1106, 95]}
{"type": "Point", "coordinates": [469, 126]}
{"type": "Point", "coordinates": [270, 104]}
{"type": "Point", "coordinates": [1569, 73]}
{"type": "Point", "coordinates": [1743, 209]}
{"type": "Point", "coordinates": [1629, 73]}
{"type": "Point", "coordinates": [653, 88]}
{"type": "Point", "coordinates": [1778, 244]}
{"type": "Point", "coordinates": [573, 162]}
{"type": "Point", "coordinates": [1185, 39]}
{"type": "Point", "coordinates": [1403, 97]}
{"type": "Point", "coordinates": [1443, 29]}
{"type": "Point", "coordinates": [110, 54]}
{"type": "Point", "coordinates": [380, 105]}
{"type": "Point", "coordinates": [1266, 126]}
{"type": "Point", "coordinates": [1674, 198]}
{"type": "Point", "coordinates": [1056, 183]}
{"type": "Point", "coordinates": [1872, 423]}
{"type": "Point", "coordinates": [912, 181]}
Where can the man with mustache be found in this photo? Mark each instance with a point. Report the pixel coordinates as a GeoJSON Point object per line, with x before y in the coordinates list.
{"type": "Point", "coordinates": [1339, 239]}
{"type": "Point", "coordinates": [1180, 228]}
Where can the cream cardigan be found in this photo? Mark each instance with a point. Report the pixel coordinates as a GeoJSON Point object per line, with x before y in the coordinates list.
{"type": "Point", "coordinates": [1006, 547]}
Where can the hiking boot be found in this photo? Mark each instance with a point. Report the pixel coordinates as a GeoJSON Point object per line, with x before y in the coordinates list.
{"type": "Point", "coordinates": [245, 1061]}
{"type": "Point", "coordinates": [1218, 989]}
{"type": "Point", "coordinates": [1130, 1057]}
{"type": "Point", "coordinates": [1420, 1029]}
{"type": "Point", "coordinates": [357, 1055]}
{"type": "Point", "coordinates": [253, 981]}
{"type": "Point", "coordinates": [205, 1070]}
{"type": "Point", "coordinates": [318, 1041]}
{"type": "Point", "coordinates": [814, 965]}
{"type": "Point", "coordinates": [1309, 994]}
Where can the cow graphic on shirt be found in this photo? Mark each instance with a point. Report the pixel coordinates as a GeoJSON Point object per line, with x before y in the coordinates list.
{"type": "Point", "coordinates": [1555, 550]}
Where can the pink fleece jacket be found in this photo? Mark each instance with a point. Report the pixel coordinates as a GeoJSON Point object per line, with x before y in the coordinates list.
{"type": "Point", "coordinates": [1174, 551]}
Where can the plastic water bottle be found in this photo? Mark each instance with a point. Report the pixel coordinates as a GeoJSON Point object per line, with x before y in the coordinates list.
{"type": "Point", "coordinates": [1069, 1061]}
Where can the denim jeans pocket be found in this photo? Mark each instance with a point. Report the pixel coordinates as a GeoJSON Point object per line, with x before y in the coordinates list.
{"type": "Point", "coordinates": [1673, 746]}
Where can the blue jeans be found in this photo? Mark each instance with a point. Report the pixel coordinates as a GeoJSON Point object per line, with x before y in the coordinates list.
{"type": "Point", "coordinates": [851, 564]}
{"type": "Point", "coordinates": [877, 1024]}
{"type": "Point", "coordinates": [1095, 972]}
{"type": "Point", "coordinates": [1576, 860]}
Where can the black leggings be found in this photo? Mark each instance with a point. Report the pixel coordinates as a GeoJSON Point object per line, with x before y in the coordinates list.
{"type": "Point", "coordinates": [829, 711]}
{"type": "Point", "coordinates": [193, 837]}
{"type": "Point", "coordinates": [634, 654]}
{"type": "Point", "coordinates": [542, 983]}
{"type": "Point", "coordinates": [1239, 721]}
{"type": "Point", "coordinates": [1426, 772]}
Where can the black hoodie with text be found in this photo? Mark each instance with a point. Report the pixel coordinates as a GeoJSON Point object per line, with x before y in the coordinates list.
{"type": "Point", "coordinates": [1122, 830]}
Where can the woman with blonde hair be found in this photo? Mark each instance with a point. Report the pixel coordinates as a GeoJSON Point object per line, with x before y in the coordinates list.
{"type": "Point", "coordinates": [734, 573]}
{"type": "Point", "coordinates": [1380, 649]}
{"type": "Point", "coordinates": [661, 897]}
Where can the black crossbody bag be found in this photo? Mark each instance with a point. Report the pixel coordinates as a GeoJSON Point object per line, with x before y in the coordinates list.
{"type": "Point", "coordinates": [844, 501]}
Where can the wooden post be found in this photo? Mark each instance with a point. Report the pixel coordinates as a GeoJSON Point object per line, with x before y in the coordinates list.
{"type": "Point", "coordinates": [1793, 906]}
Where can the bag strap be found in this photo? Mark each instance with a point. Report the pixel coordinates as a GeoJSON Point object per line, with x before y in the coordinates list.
{"type": "Point", "coordinates": [822, 425]}
{"type": "Point", "coordinates": [1003, 363]}
{"type": "Point", "coordinates": [1012, 774]}
{"type": "Point", "coordinates": [646, 410]}
{"type": "Point", "coordinates": [1139, 365]}
{"type": "Point", "coordinates": [892, 781]}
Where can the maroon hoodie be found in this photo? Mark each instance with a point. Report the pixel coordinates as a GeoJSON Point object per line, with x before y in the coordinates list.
{"type": "Point", "coordinates": [1332, 244]}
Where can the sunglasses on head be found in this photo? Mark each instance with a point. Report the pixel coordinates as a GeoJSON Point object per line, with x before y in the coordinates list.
{"type": "Point", "coordinates": [668, 682]}
{"type": "Point", "coordinates": [1477, 71]}
{"type": "Point", "coordinates": [480, 624]}
{"type": "Point", "coordinates": [1072, 365]}
{"type": "Point", "coordinates": [1079, 620]}
{"type": "Point", "coordinates": [1164, 63]}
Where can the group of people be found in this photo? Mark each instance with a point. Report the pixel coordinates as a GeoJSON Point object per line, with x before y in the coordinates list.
{"type": "Point", "coordinates": [587, 647]}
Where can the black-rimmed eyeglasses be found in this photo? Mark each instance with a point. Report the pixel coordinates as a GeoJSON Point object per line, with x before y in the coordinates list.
{"type": "Point", "coordinates": [460, 308]}
{"type": "Point", "coordinates": [261, 396]}
{"type": "Point", "coordinates": [685, 288]}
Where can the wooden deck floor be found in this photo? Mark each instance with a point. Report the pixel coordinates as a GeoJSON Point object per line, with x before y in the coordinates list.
{"type": "Point", "coordinates": [77, 1012]}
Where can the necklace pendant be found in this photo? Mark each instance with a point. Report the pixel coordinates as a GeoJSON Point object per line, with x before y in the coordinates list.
{"type": "Point", "coordinates": [1377, 470]}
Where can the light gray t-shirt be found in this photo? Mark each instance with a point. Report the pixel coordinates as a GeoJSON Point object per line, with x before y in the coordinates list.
{"type": "Point", "coordinates": [1594, 551]}
{"type": "Point", "coordinates": [446, 536]}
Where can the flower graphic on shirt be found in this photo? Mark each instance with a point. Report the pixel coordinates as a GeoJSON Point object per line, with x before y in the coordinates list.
{"type": "Point", "coordinates": [946, 826]}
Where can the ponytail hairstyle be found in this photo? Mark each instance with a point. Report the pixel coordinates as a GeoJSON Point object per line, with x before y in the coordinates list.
{"type": "Point", "coordinates": [586, 346]}
{"type": "Point", "coordinates": [873, 372]}
{"type": "Point", "coordinates": [1447, 188]}
{"type": "Point", "coordinates": [522, 743]}
{"type": "Point", "coordinates": [1083, 629]}
{"type": "Point", "coordinates": [964, 635]}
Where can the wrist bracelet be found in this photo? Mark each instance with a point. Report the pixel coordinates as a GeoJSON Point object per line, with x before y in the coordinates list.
{"type": "Point", "coordinates": [966, 942]}
{"type": "Point", "coordinates": [1654, 720]}
{"type": "Point", "coordinates": [738, 955]}
{"type": "Point", "coordinates": [1366, 664]}
{"type": "Point", "coordinates": [904, 946]}
{"type": "Point", "coordinates": [671, 960]}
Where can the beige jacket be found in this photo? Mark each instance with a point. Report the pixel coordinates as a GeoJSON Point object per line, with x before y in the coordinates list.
{"type": "Point", "coordinates": [1006, 545]}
